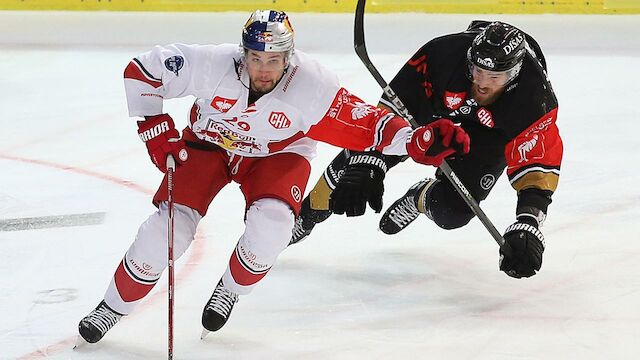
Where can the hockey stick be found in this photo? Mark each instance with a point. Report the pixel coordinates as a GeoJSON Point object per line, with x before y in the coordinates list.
{"type": "Point", "coordinates": [361, 51]}
{"type": "Point", "coordinates": [171, 167]}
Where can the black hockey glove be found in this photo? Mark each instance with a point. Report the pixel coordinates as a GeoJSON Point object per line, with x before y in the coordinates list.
{"type": "Point", "coordinates": [527, 245]}
{"type": "Point", "coordinates": [360, 183]}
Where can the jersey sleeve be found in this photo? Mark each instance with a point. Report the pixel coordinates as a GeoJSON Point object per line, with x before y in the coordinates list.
{"type": "Point", "coordinates": [414, 87]}
{"type": "Point", "coordinates": [172, 71]}
{"type": "Point", "coordinates": [533, 161]}
{"type": "Point", "coordinates": [352, 124]}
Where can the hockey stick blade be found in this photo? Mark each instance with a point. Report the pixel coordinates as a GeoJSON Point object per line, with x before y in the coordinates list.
{"type": "Point", "coordinates": [361, 51]}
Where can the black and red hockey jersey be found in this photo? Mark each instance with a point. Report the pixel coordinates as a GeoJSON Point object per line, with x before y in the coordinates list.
{"type": "Point", "coordinates": [518, 130]}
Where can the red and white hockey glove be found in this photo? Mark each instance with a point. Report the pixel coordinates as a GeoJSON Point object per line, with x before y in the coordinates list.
{"type": "Point", "coordinates": [161, 138]}
{"type": "Point", "coordinates": [434, 142]}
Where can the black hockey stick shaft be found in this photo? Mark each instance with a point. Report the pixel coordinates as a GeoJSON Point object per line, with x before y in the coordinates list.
{"type": "Point", "coordinates": [361, 51]}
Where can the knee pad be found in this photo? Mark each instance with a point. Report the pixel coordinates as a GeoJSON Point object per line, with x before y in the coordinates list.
{"type": "Point", "coordinates": [147, 256]}
{"type": "Point", "coordinates": [447, 208]}
{"type": "Point", "coordinates": [269, 223]}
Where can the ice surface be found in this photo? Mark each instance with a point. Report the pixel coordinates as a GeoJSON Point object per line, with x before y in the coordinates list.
{"type": "Point", "coordinates": [349, 291]}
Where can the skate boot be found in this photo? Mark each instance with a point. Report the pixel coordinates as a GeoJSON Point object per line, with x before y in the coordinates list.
{"type": "Point", "coordinates": [306, 220]}
{"type": "Point", "coordinates": [217, 310]}
{"type": "Point", "coordinates": [406, 209]}
{"type": "Point", "coordinates": [93, 326]}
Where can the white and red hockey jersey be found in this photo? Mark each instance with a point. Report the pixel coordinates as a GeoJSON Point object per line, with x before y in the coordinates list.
{"type": "Point", "coordinates": [306, 106]}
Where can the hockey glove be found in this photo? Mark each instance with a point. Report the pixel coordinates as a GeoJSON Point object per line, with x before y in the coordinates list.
{"type": "Point", "coordinates": [527, 245]}
{"type": "Point", "coordinates": [360, 183]}
{"type": "Point", "coordinates": [434, 142]}
{"type": "Point", "coordinates": [161, 138]}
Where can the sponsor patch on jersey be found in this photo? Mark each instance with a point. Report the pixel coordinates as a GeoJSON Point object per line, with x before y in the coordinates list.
{"type": "Point", "coordinates": [487, 181]}
{"type": "Point", "coordinates": [296, 193]}
{"type": "Point", "coordinates": [174, 64]}
{"type": "Point", "coordinates": [279, 120]}
{"type": "Point", "coordinates": [222, 104]}
{"type": "Point", "coordinates": [485, 118]}
{"type": "Point", "coordinates": [453, 100]}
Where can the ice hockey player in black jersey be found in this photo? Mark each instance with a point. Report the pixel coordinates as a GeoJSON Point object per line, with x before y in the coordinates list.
{"type": "Point", "coordinates": [491, 79]}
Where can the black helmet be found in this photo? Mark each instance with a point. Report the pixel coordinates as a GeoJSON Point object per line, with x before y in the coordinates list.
{"type": "Point", "coordinates": [499, 47]}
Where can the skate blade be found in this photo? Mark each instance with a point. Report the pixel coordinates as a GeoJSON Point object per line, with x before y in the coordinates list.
{"type": "Point", "coordinates": [80, 342]}
{"type": "Point", "coordinates": [204, 334]}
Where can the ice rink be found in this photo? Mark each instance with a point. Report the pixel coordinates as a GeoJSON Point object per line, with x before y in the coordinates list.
{"type": "Point", "coordinates": [76, 183]}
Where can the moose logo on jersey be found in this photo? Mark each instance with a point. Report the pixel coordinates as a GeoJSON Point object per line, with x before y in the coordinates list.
{"type": "Point", "coordinates": [221, 104]}
{"type": "Point", "coordinates": [453, 100]}
{"type": "Point", "coordinates": [279, 120]}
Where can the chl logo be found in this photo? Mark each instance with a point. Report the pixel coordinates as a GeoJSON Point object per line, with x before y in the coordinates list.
{"type": "Point", "coordinates": [279, 120]}
{"type": "Point", "coordinates": [296, 193]}
{"type": "Point", "coordinates": [221, 104]}
{"type": "Point", "coordinates": [485, 117]}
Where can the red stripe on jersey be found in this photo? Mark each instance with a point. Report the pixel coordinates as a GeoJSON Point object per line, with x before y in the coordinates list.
{"type": "Point", "coordinates": [133, 71]}
{"type": "Point", "coordinates": [241, 274]}
{"type": "Point", "coordinates": [539, 144]}
{"type": "Point", "coordinates": [279, 145]}
{"type": "Point", "coordinates": [194, 114]}
{"type": "Point", "coordinates": [129, 289]}
{"type": "Point", "coordinates": [390, 129]}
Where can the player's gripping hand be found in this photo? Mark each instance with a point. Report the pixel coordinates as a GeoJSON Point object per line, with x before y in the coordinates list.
{"type": "Point", "coordinates": [434, 142]}
{"type": "Point", "coordinates": [161, 138]}
{"type": "Point", "coordinates": [527, 245]}
{"type": "Point", "coordinates": [361, 182]}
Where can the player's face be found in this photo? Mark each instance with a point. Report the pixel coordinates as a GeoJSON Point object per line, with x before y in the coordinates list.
{"type": "Point", "coordinates": [265, 69]}
{"type": "Point", "coordinates": [487, 85]}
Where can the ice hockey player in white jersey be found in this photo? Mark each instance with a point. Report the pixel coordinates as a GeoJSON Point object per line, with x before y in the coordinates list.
{"type": "Point", "coordinates": [259, 112]}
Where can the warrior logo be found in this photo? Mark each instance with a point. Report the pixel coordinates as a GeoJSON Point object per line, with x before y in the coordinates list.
{"type": "Point", "coordinates": [487, 181]}
{"type": "Point", "coordinates": [174, 64]}
{"type": "Point", "coordinates": [485, 118]}
{"type": "Point", "coordinates": [360, 110]}
{"type": "Point", "coordinates": [296, 193]}
{"type": "Point", "coordinates": [526, 147]}
{"type": "Point", "coordinates": [221, 104]}
{"type": "Point", "coordinates": [279, 120]}
{"type": "Point", "coordinates": [453, 100]}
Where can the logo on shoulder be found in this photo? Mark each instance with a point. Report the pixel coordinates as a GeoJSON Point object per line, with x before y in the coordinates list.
{"type": "Point", "coordinates": [279, 120]}
{"type": "Point", "coordinates": [174, 64]}
{"type": "Point", "coordinates": [222, 104]}
{"type": "Point", "coordinates": [454, 100]}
